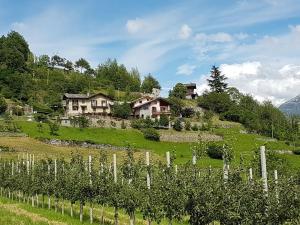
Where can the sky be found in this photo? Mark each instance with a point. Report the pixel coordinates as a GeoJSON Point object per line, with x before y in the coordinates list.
{"type": "Point", "coordinates": [255, 43]}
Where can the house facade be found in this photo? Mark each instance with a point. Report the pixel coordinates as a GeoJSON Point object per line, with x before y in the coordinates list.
{"type": "Point", "coordinates": [85, 104]}
{"type": "Point", "coordinates": [150, 107]}
{"type": "Point", "coordinates": [190, 91]}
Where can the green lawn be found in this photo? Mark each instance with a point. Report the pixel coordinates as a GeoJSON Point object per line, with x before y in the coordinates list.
{"type": "Point", "coordinates": [244, 144]}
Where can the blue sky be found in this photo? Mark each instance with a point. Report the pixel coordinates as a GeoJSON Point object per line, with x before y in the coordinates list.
{"type": "Point", "coordinates": [256, 43]}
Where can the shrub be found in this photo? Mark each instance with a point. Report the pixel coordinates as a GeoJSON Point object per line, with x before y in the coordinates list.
{"type": "Point", "coordinates": [194, 127]}
{"type": "Point", "coordinates": [218, 151]}
{"type": "Point", "coordinates": [177, 125]}
{"type": "Point", "coordinates": [3, 105]}
{"type": "Point", "coordinates": [121, 110]}
{"type": "Point", "coordinates": [188, 112]}
{"type": "Point", "coordinates": [215, 151]}
{"type": "Point", "coordinates": [187, 125]}
{"type": "Point", "coordinates": [40, 117]}
{"type": "Point", "coordinates": [101, 122]}
{"type": "Point", "coordinates": [164, 121]}
{"type": "Point", "coordinates": [151, 134]}
{"type": "Point", "coordinates": [123, 125]}
{"type": "Point", "coordinates": [113, 124]}
{"type": "Point", "coordinates": [54, 127]}
{"type": "Point", "coordinates": [296, 151]}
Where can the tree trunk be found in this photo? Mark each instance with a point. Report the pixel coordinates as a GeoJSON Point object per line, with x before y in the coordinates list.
{"type": "Point", "coordinates": [56, 203]}
{"type": "Point", "coordinates": [81, 212]}
{"type": "Point", "coordinates": [49, 202]}
{"type": "Point", "coordinates": [71, 210]}
{"type": "Point", "coordinates": [132, 218]}
{"type": "Point", "coordinates": [63, 207]}
{"type": "Point", "coordinates": [91, 213]}
{"type": "Point", "coordinates": [43, 200]}
{"type": "Point", "coordinates": [116, 216]}
{"type": "Point", "coordinates": [102, 214]}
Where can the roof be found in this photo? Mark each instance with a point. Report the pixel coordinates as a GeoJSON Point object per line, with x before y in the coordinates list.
{"type": "Point", "coordinates": [190, 85]}
{"type": "Point", "coordinates": [155, 99]}
{"type": "Point", "coordinates": [83, 96]}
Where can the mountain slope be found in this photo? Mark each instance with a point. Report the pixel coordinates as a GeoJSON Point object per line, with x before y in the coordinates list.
{"type": "Point", "coordinates": [291, 107]}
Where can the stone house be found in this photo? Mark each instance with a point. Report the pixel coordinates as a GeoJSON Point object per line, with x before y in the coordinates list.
{"type": "Point", "coordinates": [86, 104]}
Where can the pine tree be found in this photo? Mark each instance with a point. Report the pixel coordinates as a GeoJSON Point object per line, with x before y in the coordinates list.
{"type": "Point", "coordinates": [217, 80]}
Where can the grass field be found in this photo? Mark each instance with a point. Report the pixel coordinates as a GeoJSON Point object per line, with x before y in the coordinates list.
{"type": "Point", "coordinates": [242, 143]}
{"type": "Point", "coordinates": [15, 213]}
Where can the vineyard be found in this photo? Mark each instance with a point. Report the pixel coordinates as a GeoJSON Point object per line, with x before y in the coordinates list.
{"type": "Point", "coordinates": [159, 192]}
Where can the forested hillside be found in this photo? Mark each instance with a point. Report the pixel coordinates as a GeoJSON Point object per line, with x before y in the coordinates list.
{"type": "Point", "coordinates": [41, 80]}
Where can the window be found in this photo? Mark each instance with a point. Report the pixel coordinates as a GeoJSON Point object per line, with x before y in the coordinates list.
{"type": "Point", "coordinates": [94, 103]}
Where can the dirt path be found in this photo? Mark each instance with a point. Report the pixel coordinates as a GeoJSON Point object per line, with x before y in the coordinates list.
{"type": "Point", "coordinates": [34, 217]}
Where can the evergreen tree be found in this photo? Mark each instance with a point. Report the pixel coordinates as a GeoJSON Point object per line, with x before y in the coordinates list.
{"type": "Point", "coordinates": [217, 80]}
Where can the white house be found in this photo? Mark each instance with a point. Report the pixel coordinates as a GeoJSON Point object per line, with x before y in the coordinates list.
{"type": "Point", "coordinates": [148, 106]}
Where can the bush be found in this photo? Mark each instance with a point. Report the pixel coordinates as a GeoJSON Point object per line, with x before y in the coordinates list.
{"type": "Point", "coordinates": [164, 121]}
{"type": "Point", "coordinates": [219, 151]}
{"type": "Point", "coordinates": [121, 110]}
{"type": "Point", "coordinates": [296, 151]}
{"type": "Point", "coordinates": [187, 125]}
{"type": "Point", "coordinates": [3, 105]}
{"type": "Point", "coordinates": [54, 127]}
{"type": "Point", "coordinates": [151, 134]}
{"type": "Point", "coordinates": [195, 127]}
{"type": "Point", "coordinates": [123, 125]}
{"type": "Point", "coordinates": [113, 124]}
{"type": "Point", "coordinates": [188, 112]}
{"type": "Point", "coordinates": [215, 151]}
{"type": "Point", "coordinates": [177, 125]}
{"type": "Point", "coordinates": [101, 122]}
{"type": "Point", "coordinates": [40, 117]}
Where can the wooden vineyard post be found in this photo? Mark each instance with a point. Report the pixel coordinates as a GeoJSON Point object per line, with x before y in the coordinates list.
{"type": "Point", "coordinates": [115, 180]}
{"type": "Point", "coordinates": [168, 159]}
{"type": "Point", "coordinates": [90, 176]}
{"type": "Point", "coordinates": [148, 172]}
{"type": "Point", "coordinates": [264, 169]}
{"type": "Point", "coordinates": [250, 175]}
{"type": "Point", "coordinates": [276, 184]}
{"type": "Point", "coordinates": [55, 179]}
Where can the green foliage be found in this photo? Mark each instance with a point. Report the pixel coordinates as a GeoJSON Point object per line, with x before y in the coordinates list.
{"type": "Point", "coordinates": [151, 134]}
{"type": "Point", "coordinates": [121, 110]}
{"type": "Point", "coordinates": [218, 102]}
{"type": "Point", "coordinates": [53, 127]}
{"type": "Point", "coordinates": [14, 51]}
{"type": "Point", "coordinates": [3, 105]}
{"type": "Point", "coordinates": [187, 125]}
{"type": "Point", "coordinates": [179, 91]}
{"type": "Point", "coordinates": [164, 120]}
{"type": "Point", "coordinates": [217, 80]}
{"type": "Point", "coordinates": [80, 121]}
{"type": "Point", "coordinates": [149, 83]}
{"type": "Point", "coordinates": [177, 125]}
{"type": "Point", "coordinates": [195, 127]}
{"type": "Point", "coordinates": [187, 112]}
{"type": "Point", "coordinates": [176, 106]}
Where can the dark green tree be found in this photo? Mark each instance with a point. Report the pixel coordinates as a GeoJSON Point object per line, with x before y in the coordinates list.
{"type": "Point", "coordinates": [217, 80]}
{"type": "Point", "coordinates": [149, 83]}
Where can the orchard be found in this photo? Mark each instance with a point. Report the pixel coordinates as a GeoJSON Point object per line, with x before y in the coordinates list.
{"type": "Point", "coordinates": [157, 191]}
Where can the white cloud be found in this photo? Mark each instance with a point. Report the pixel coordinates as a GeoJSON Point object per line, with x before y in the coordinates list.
{"type": "Point", "coordinates": [220, 37]}
{"type": "Point", "coordinates": [134, 26]}
{"type": "Point", "coordinates": [186, 69]}
{"type": "Point", "coordinates": [262, 81]}
{"type": "Point", "coordinates": [185, 32]}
